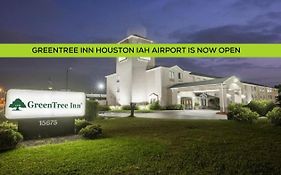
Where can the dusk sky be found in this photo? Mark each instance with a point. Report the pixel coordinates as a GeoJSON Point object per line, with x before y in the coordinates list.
{"type": "Point", "coordinates": [109, 21]}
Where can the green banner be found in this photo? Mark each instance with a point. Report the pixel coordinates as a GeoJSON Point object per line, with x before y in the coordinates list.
{"type": "Point", "coordinates": [140, 50]}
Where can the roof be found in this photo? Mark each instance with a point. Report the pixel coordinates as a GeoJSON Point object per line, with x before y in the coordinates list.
{"type": "Point", "coordinates": [136, 36]}
{"type": "Point", "coordinates": [254, 83]}
{"type": "Point", "coordinates": [198, 83]}
{"type": "Point", "coordinates": [204, 75]}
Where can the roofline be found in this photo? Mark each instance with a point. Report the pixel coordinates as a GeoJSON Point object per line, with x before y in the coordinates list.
{"type": "Point", "coordinates": [135, 36]}
{"type": "Point", "coordinates": [226, 78]}
{"type": "Point", "coordinates": [154, 68]}
{"type": "Point", "coordinates": [195, 85]}
{"type": "Point", "coordinates": [204, 75]}
{"type": "Point", "coordinates": [110, 75]}
{"type": "Point", "coordinates": [255, 84]}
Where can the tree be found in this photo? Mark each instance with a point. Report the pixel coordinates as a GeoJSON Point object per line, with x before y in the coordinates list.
{"type": "Point", "coordinates": [278, 98]}
{"type": "Point", "coordinates": [278, 87]}
{"type": "Point", "coordinates": [17, 104]}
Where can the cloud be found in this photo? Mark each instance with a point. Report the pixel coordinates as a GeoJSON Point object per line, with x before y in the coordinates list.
{"type": "Point", "coordinates": [228, 34]}
{"type": "Point", "coordinates": [260, 29]}
{"type": "Point", "coordinates": [255, 3]}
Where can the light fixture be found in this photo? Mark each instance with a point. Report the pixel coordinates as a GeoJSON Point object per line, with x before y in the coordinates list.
{"type": "Point", "coordinates": [100, 86]}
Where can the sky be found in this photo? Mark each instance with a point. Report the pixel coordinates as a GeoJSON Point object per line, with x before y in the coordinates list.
{"type": "Point", "coordinates": [109, 21]}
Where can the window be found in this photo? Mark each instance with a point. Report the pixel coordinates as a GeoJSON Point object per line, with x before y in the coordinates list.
{"type": "Point", "coordinates": [172, 75]}
{"type": "Point", "coordinates": [179, 76]}
{"type": "Point", "coordinates": [121, 59]}
{"type": "Point", "coordinates": [144, 58]}
{"type": "Point", "coordinates": [118, 79]}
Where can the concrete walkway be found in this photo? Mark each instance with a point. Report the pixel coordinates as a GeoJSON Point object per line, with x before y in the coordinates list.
{"type": "Point", "coordinates": [172, 114]}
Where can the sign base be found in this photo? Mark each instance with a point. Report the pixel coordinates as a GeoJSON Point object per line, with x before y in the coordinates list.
{"type": "Point", "coordinates": [47, 127]}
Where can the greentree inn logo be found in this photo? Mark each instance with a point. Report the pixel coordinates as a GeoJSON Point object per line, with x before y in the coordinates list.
{"type": "Point", "coordinates": [18, 103]}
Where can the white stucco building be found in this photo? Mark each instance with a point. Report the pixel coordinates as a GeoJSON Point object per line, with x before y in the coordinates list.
{"type": "Point", "coordinates": [138, 80]}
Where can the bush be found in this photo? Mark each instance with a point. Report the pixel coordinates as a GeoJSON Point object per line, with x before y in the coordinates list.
{"type": "Point", "coordinates": [104, 108]}
{"type": "Point", "coordinates": [275, 116]}
{"type": "Point", "coordinates": [80, 124]}
{"type": "Point", "coordinates": [233, 109]}
{"type": "Point", "coordinates": [239, 113]}
{"type": "Point", "coordinates": [155, 106]}
{"type": "Point", "coordinates": [262, 107]}
{"type": "Point", "coordinates": [91, 132]}
{"type": "Point", "coordinates": [174, 107]}
{"type": "Point", "coordinates": [9, 139]}
{"type": "Point", "coordinates": [128, 107]}
{"type": "Point", "coordinates": [8, 125]}
{"type": "Point", "coordinates": [91, 110]}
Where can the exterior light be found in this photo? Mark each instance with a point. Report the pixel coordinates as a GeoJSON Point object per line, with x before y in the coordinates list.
{"type": "Point", "coordinates": [100, 86]}
{"type": "Point", "coordinates": [228, 95]}
{"type": "Point", "coordinates": [243, 96]}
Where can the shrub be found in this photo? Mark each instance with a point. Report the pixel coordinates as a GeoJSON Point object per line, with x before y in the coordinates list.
{"type": "Point", "coordinates": [239, 113]}
{"type": "Point", "coordinates": [275, 116]}
{"type": "Point", "coordinates": [104, 108]}
{"type": "Point", "coordinates": [9, 139]}
{"type": "Point", "coordinates": [91, 132]}
{"type": "Point", "coordinates": [233, 109]}
{"type": "Point", "coordinates": [174, 107]}
{"type": "Point", "coordinates": [262, 107]}
{"type": "Point", "coordinates": [8, 125]}
{"type": "Point", "coordinates": [155, 106]}
{"type": "Point", "coordinates": [128, 107]}
{"type": "Point", "coordinates": [91, 110]}
{"type": "Point", "coordinates": [80, 124]}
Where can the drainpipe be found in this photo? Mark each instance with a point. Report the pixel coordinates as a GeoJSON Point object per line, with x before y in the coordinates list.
{"type": "Point", "coordinates": [223, 110]}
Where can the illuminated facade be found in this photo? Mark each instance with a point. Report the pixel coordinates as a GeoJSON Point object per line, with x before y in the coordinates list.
{"type": "Point", "coordinates": [139, 81]}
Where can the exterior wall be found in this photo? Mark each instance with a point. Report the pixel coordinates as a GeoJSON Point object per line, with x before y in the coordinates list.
{"type": "Point", "coordinates": [153, 85]}
{"type": "Point", "coordinates": [139, 94]}
{"type": "Point", "coordinates": [111, 89]}
{"type": "Point", "coordinates": [256, 92]}
{"type": "Point", "coordinates": [131, 76]}
{"type": "Point", "coordinates": [124, 74]}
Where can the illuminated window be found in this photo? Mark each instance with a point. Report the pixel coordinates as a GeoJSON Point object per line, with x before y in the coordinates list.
{"type": "Point", "coordinates": [121, 59]}
{"type": "Point", "coordinates": [144, 58]}
{"type": "Point", "coordinates": [172, 75]}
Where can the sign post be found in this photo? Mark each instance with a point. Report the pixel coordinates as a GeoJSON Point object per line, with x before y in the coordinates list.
{"type": "Point", "coordinates": [44, 113]}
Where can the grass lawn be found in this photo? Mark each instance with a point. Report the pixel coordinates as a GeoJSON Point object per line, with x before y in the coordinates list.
{"type": "Point", "coordinates": [155, 146]}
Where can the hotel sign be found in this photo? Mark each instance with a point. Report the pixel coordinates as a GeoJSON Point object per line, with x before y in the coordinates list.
{"type": "Point", "coordinates": [32, 104]}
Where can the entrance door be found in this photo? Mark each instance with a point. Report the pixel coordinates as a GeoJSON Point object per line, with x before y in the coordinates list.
{"type": "Point", "coordinates": [186, 102]}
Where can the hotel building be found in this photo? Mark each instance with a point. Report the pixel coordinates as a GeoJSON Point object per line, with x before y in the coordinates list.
{"type": "Point", "coordinates": [138, 80]}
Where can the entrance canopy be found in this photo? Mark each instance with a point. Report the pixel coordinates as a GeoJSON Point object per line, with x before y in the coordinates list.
{"type": "Point", "coordinates": [227, 89]}
{"type": "Point", "coordinates": [201, 83]}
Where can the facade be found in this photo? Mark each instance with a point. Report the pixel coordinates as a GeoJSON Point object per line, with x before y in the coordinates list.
{"type": "Point", "coordinates": [139, 81]}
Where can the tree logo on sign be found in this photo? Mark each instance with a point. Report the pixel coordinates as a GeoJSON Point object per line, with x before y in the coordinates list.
{"type": "Point", "coordinates": [17, 104]}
